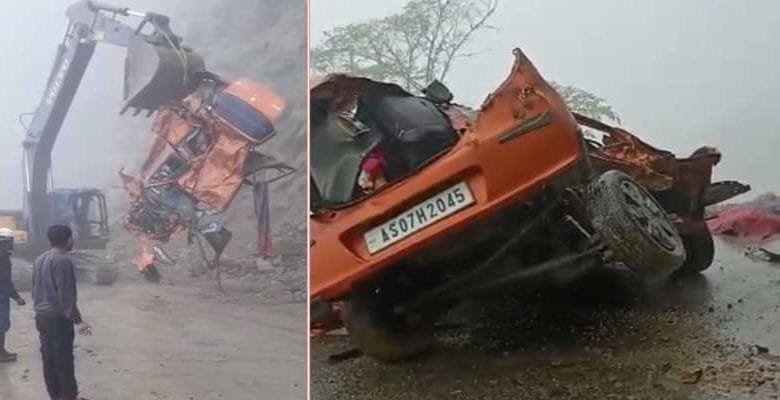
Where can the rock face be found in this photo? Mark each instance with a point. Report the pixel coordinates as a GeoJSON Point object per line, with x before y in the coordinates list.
{"type": "Point", "coordinates": [265, 41]}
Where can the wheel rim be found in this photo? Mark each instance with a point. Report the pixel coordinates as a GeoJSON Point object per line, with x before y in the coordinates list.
{"type": "Point", "coordinates": [649, 216]}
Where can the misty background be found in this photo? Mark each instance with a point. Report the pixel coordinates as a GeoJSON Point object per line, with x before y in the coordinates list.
{"type": "Point", "coordinates": [260, 39]}
{"type": "Point", "coordinates": [681, 74]}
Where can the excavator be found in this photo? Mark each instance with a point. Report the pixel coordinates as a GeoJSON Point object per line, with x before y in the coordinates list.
{"type": "Point", "coordinates": [159, 74]}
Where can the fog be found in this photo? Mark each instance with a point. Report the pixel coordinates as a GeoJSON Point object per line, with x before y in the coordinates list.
{"type": "Point", "coordinates": [679, 73]}
{"type": "Point", "coordinates": [263, 40]}
{"type": "Point", "coordinates": [89, 144]}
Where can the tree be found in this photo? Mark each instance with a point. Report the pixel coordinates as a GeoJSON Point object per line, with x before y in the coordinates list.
{"type": "Point", "coordinates": [421, 43]}
{"type": "Point", "coordinates": [586, 103]}
{"type": "Point", "coordinates": [410, 48]}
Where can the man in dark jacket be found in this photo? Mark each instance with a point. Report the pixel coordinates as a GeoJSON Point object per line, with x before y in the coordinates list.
{"type": "Point", "coordinates": [7, 291]}
{"type": "Point", "coordinates": [56, 313]}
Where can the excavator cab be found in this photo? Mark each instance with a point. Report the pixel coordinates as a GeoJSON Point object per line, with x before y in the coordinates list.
{"type": "Point", "coordinates": [158, 69]}
{"type": "Point", "coordinates": [82, 210]}
{"type": "Point", "coordinates": [85, 212]}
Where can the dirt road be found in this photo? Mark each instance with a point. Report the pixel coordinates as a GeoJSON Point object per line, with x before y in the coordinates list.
{"type": "Point", "coordinates": [711, 337]}
{"type": "Point", "coordinates": [181, 341]}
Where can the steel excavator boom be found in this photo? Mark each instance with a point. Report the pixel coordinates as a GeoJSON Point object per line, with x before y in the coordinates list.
{"type": "Point", "coordinates": [158, 70]}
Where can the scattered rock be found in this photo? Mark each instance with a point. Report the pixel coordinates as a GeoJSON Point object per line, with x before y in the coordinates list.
{"type": "Point", "coordinates": [760, 349]}
{"type": "Point", "coordinates": [561, 362]}
{"type": "Point", "coordinates": [691, 376]}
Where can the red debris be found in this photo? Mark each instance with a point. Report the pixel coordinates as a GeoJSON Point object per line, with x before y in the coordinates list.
{"type": "Point", "coordinates": [752, 223]}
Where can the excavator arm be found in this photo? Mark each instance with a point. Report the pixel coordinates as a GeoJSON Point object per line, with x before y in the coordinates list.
{"type": "Point", "coordinates": [152, 58]}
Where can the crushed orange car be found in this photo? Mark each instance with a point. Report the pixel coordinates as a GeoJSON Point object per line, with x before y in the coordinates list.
{"type": "Point", "coordinates": [418, 202]}
{"type": "Point", "coordinates": [204, 151]}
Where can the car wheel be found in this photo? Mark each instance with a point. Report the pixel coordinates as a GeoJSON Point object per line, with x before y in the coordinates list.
{"type": "Point", "coordinates": [381, 334]}
{"type": "Point", "coordinates": [699, 249]}
{"type": "Point", "coordinates": [635, 228]}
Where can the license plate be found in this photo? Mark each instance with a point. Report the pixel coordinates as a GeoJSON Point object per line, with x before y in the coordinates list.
{"type": "Point", "coordinates": [418, 217]}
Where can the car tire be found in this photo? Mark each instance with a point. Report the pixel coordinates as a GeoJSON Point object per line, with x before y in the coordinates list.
{"type": "Point", "coordinates": [382, 335]}
{"type": "Point", "coordinates": [699, 249]}
{"type": "Point", "coordinates": [634, 226]}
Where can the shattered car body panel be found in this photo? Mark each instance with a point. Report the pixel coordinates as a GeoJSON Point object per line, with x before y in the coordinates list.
{"type": "Point", "coordinates": [200, 151]}
{"type": "Point", "coordinates": [658, 170]}
{"type": "Point", "coordinates": [481, 156]}
{"type": "Point", "coordinates": [683, 185]}
{"type": "Point", "coordinates": [200, 158]}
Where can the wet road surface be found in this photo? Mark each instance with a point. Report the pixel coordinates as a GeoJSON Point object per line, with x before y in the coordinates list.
{"type": "Point", "coordinates": [171, 342]}
{"type": "Point", "coordinates": [712, 336]}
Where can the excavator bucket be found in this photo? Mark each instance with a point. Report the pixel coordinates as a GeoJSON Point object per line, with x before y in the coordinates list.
{"type": "Point", "coordinates": [158, 74]}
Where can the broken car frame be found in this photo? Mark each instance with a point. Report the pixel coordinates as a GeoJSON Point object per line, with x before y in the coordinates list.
{"type": "Point", "coordinates": [204, 152]}
{"type": "Point", "coordinates": [510, 194]}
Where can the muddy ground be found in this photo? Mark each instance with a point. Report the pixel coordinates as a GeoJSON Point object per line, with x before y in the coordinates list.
{"type": "Point", "coordinates": [178, 340]}
{"type": "Point", "coordinates": [714, 336]}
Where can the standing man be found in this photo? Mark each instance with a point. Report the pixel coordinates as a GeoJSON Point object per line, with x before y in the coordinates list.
{"type": "Point", "coordinates": [56, 313]}
{"type": "Point", "coordinates": [7, 291]}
